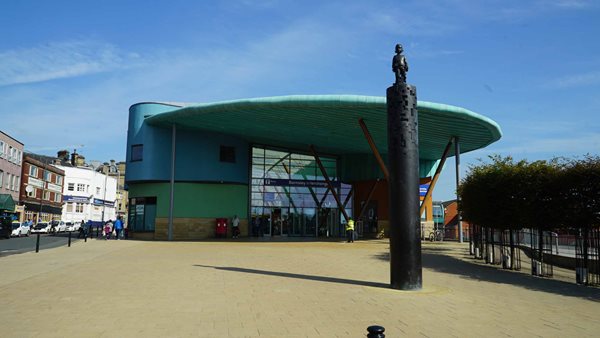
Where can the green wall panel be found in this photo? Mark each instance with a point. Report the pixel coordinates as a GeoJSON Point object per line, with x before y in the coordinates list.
{"type": "Point", "coordinates": [196, 200]}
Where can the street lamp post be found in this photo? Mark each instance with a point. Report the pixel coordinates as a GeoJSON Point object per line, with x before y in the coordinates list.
{"type": "Point", "coordinates": [43, 192]}
{"type": "Point", "coordinates": [105, 183]}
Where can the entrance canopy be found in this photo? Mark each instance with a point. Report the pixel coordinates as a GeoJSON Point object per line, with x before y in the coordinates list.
{"type": "Point", "coordinates": [330, 122]}
{"type": "Point", "coordinates": [6, 202]}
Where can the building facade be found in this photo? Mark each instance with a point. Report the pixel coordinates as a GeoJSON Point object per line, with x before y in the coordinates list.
{"type": "Point", "coordinates": [11, 161]}
{"type": "Point", "coordinates": [89, 195]}
{"type": "Point", "coordinates": [117, 170]}
{"type": "Point", "coordinates": [286, 166]}
{"type": "Point", "coordinates": [451, 221]}
{"type": "Point", "coordinates": [41, 190]}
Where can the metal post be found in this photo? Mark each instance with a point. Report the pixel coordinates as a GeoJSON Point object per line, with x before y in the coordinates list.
{"type": "Point", "coordinates": [457, 158]}
{"type": "Point", "coordinates": [117, 194]}
{"type": "Point", "coordinates": [403, 158]}
{"type": "Point", "coordinates": [172, 183]}
{"type": "Point", "coordinates": [37, 243]}
{"type": "Point", "coordinates": [42, 197]}
{"type": "Point", "coordinates": [70, 239]}
{"type": "Point", "coordinates": [104, 196]}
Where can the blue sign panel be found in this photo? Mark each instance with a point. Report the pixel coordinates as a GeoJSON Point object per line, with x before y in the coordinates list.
{"type": "Point", "coordinates": [98, 201]}
{"type": "Point", "coordinates": [423, 189]}
{"type": "Point", "coordinates": [299, 183]}
{"type": "Point", "coordinates": [75, 199]}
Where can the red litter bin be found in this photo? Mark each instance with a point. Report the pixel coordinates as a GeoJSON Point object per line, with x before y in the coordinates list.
{"type": "Point", "coordinates": [221, 229]}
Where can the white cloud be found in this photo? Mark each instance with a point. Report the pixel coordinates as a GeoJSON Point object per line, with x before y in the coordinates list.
{"type": "Point", "coordinates": [545, 147]}
{"type": "Point", "coordinates": [60, 60]}
{"type": "Point", "coordinates": [95, 113]}
{"type": "Point", "coordinates": [578, 80]}
{"type": "Point", "coordinates": [572, 4]}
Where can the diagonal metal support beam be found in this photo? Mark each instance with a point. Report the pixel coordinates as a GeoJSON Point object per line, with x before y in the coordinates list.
{"type": "Point", "coordinates": [324, 173]}
{"type": "Point", "coordinates": [438, 170]}
{"type": "Point", "coordinates": [324, 197]}
{"type": "Point", "coordinates": [312, 192]}
{"type": "Point", "coordinates": [371, 192]}
{"type": "Point", "coordinates": [350, 193]}
{"type": "Point", "coordinates": [276, 163]}
{"type": "Point", "coordinates": [365, 130]}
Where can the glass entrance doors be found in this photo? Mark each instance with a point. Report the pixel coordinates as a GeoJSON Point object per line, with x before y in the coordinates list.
{"type": "Point", "coordinates": [290, 196]}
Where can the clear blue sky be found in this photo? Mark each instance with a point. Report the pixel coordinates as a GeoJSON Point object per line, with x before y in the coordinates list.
{"type": "Point", "coordinates": [69, 70]}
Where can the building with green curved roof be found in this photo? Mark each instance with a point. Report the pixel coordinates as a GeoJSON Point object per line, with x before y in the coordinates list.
{"type": "Point", "coordinates": [188, 164]}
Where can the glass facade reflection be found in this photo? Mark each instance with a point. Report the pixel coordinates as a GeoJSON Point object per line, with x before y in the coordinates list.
{"type": "Point", "coordinates": [290, 197]}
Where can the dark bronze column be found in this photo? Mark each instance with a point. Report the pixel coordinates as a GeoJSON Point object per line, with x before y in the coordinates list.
{"type": "Point", "coordinates": [403, 155]}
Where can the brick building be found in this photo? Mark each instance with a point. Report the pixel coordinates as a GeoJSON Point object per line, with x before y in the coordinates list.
{"type": "Point", "coordinates": [41, 189]}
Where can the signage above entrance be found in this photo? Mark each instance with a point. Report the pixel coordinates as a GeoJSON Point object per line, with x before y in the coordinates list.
{"type": "Point", "coordinates": [299, 183]}
{"type": "Point", "coordinates": [423, 189]}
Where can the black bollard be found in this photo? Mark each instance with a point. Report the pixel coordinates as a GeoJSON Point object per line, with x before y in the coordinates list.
{"type": "Point", "coordinates": [37, 243]}
{"type": "Point", "coordinates": [403, 157]}
{"type": "Point", "coordinates": [376, 331]}
{"type": "Point", "coordinates": [69, 239]}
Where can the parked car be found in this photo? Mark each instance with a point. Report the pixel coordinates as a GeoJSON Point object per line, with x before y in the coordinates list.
{"type": "Point", "coordinates": [41, 227]}
{"type": "Point", "coordinates": [73, 226]}
{"type": "Point", "coordinates": [58, 226]}
{"type": "Point", "coordinates": [20, 229]}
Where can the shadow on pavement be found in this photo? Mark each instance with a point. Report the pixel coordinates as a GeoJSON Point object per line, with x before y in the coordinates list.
{"type": "Point", "coordinates": [435, 259]}
{"type": "Point", "coordinates": [298, 276]}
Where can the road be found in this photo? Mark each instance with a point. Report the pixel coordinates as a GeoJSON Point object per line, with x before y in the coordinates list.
{"type": "Point", "coordinates": [17, 245]}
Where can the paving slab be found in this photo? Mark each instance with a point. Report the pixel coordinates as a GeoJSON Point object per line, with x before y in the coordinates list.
{"type": "Point", "coordinates": [251, 288]}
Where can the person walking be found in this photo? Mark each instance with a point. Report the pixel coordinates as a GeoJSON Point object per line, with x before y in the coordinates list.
{"type": "Point", "coordinates": [235, 226]}
{"type": "Point", "coordinates": [118, 227]}
{"type": "Point", "coordinates": [350, 230]}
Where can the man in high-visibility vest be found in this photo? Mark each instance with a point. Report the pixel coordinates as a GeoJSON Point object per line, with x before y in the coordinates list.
{"type": "Point", "coordinates": [350, 230]}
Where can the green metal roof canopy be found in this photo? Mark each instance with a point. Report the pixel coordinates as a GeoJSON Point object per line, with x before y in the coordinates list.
{"type": "Point", "coordinates": [330, 122]}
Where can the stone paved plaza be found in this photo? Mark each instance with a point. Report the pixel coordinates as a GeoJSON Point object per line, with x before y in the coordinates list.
{"type": "Point", "coordinates": [277, 289]}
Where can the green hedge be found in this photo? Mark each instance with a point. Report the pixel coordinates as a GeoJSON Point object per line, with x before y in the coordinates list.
{"type": "Point", "coordinates": [506, 194]}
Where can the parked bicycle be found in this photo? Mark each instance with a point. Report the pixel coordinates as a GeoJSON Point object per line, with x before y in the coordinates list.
{"type": "Point", "coordinates": [436, 235]}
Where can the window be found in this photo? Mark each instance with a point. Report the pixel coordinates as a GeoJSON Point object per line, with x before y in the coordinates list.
{"type": "Point", "coordinates": [1, 177]}
{"type": "Point", "coordinates": [47, 176]}
{"type": "Point", "coordinates": [8, 178]}
{"type": "Point", "coordinates": [2, 149]}
{"type": "Point", "coordinates": [137, 152]}
{"type": "Point", "coordinates": [57, 198]}
{"type": "Point", "coordinates": [59, 180]}
{"type": "Point", "coordinates": [80, 187]}
{"type": "Point", "coordinates": [32, 193]}
{"type": "Point", "coordinates": [79, 207]}
{"type": "Point", "coordinates": [69, 207]}
{"type": "Point", "coordinates": [46, 195]}
{"type": "Point", "coordinates": [33, 170]}
{"type": "Point", "coordinates": [10, 153]}
{"type": "Point", "coordinates": [142, 213]}
{"type": "Point", "coordinates": [227, 154]}
{"type": "Point", "coordinates": [71, 187]}
{"type": "Point", "coordinates": [20, 157]}
{"type": "Point", "coordinates": [17, 183]}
